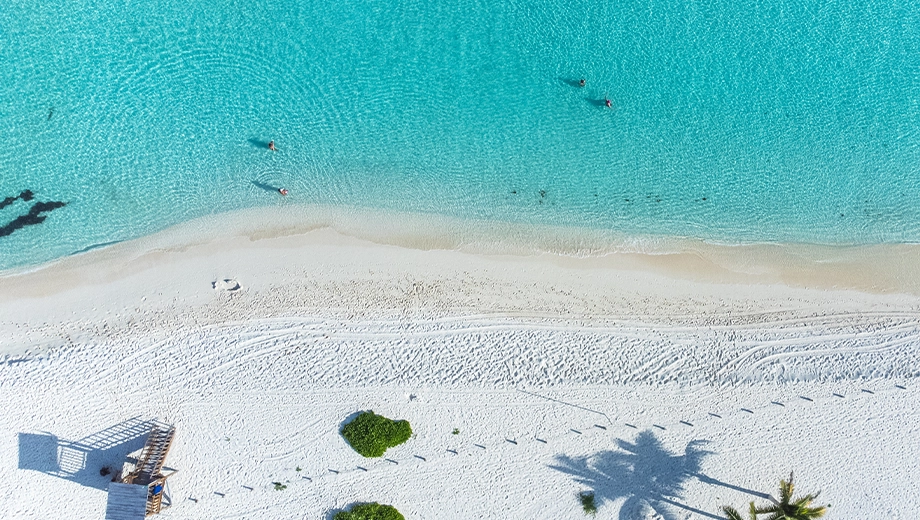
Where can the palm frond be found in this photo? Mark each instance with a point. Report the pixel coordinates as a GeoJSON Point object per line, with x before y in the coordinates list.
{"type": "Point", "coordinates": [731, 513]}
{"type": "Point", "coordinates": [785, 490]}
{"type": "Point", "coordinates": [805, 500]}
{"type": "Point", "coordinates": [814, 512]}
{"type": "Point", "coordinates": [769, 508]}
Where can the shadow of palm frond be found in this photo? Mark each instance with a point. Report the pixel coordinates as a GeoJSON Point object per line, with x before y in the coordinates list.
{"type": "Point", "coordinates": [643, 473]}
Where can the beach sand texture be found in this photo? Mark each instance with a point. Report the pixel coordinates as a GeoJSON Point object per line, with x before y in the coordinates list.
{"type": "Point", "coordinates": [669, 385]}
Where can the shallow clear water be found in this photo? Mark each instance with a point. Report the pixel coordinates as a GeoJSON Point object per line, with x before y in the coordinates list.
{"type": "Point", "coordinates": [731, 121]}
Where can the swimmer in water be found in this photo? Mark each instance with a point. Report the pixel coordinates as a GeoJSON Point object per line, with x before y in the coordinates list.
{"type": "Point", "coordinates": [271, 146]}
{"type": "Point", "coordinates": [608, 103]}
{"type": "Point", "coordinates": [283, 191]}
{"type": "Point", "coordinates": [581, 82]}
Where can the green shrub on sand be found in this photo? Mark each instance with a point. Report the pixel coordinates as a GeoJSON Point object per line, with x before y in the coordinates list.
{"type": "Point", "coordinates": [371, 434]}
{"type": "Point", "coordinates": [587, 502]}
{"type": "Point", "coordinates": [372, 511]}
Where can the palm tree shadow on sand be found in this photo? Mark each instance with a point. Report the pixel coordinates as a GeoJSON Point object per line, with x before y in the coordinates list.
{"type": "Point", "coordinates": [643, 473]}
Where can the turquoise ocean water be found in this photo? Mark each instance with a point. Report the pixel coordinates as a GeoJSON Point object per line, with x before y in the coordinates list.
{"type": "Point", "coordinates": [732, 121]}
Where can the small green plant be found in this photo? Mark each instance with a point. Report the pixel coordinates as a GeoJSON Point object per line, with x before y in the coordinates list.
{"type": "Point", "coordinates": [371, 434]}
{"type": "Point", "coordinates": [587, 502]}
{"type": "Point", "coordinates": [372, 511]}
{"type": "Point", "coordinates": [456, 431]}
{"type": "Point", "coordinates": [279, 486]}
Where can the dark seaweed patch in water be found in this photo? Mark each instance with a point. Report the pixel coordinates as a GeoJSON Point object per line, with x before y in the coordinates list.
{"type": "Point", "coordinates": [34, 216]}
{"type": "Point", "coordinates": [25, 195]}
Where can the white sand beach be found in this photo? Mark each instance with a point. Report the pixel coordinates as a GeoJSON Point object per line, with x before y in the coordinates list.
{"type": "Point", "coordinates": [670, 384]}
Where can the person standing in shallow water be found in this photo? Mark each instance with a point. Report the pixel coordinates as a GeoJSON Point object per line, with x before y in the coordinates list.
{"type": "Point", "coordinates": [581, 82]}
{"type": "Point", "coordinates": [271, 146]}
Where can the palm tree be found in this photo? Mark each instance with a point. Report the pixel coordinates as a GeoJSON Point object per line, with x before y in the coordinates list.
{"type": "Point", "coordinates": [732, 514]}
{"type": "Point", "coordinates": [787, 508]}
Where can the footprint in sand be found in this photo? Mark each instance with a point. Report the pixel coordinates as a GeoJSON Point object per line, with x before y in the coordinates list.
{"type": "Point", "coordinates": [228, 285]}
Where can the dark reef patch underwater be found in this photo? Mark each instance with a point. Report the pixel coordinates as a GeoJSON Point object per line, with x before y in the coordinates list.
{"type": "Point", "coordinates": [36, 214]}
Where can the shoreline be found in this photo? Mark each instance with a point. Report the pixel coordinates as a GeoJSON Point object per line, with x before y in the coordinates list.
{"type": "Point", "coordinates": [253, 265]}
{"type": "Point", "coordinates": [879, 268]}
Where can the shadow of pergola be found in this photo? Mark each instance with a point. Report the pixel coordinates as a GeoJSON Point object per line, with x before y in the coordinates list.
{"type": "Point", "coordinates": [81, 460]}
